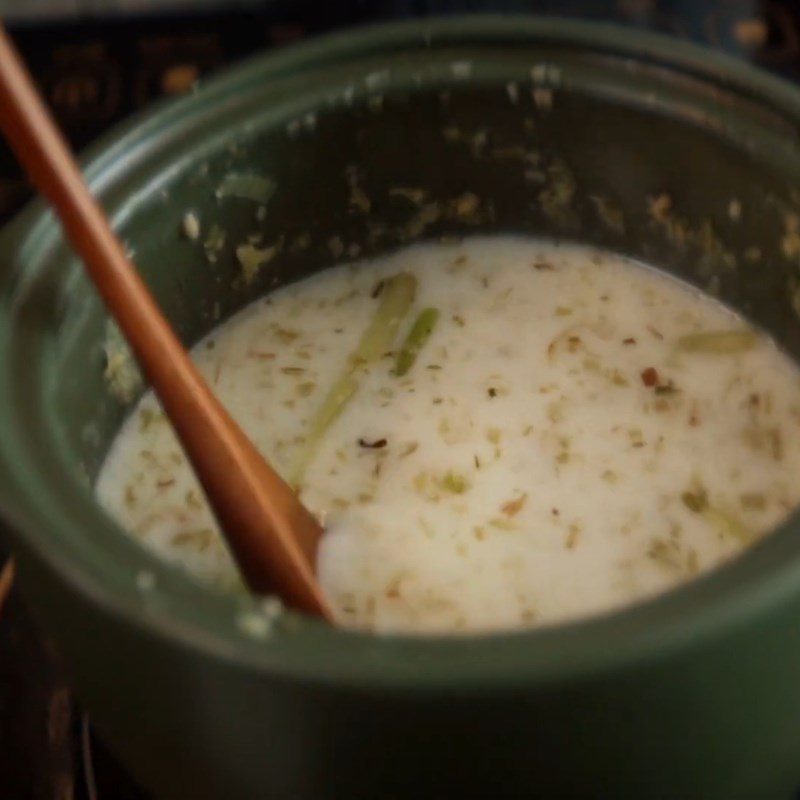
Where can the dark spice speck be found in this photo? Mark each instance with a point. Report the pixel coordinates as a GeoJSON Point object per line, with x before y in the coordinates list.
{"type": "Point", "coordinates": [376, 445]}
{"type": "Point", "coordinates": [649, 377]}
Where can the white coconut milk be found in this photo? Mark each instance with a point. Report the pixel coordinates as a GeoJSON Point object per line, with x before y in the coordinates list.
{"type": "Point", "coordinates": [573, 433]}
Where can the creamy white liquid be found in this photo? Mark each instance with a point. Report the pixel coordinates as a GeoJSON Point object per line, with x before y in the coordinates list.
{"type": "Point", "coordinates": [556, 450]}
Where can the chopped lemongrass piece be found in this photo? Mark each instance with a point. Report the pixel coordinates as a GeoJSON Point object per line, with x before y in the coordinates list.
{"type": "Point", "coordinates": [252, 258]}
{"type": "Point", "coordinates": [395, 300]}
{"type": "Point", "coordinates": [719, 342]}
{"type": "Point", "coordinates": [332, 406]}
{"type": "Point", "coordinates": [417, 337]}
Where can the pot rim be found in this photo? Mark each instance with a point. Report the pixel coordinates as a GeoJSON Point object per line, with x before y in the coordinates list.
{"type": "Point", "coordinates": [708, 608]}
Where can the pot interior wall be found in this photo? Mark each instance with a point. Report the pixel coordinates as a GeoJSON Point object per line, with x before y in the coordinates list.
{"type": "Point", "coordinates": [374, 172]}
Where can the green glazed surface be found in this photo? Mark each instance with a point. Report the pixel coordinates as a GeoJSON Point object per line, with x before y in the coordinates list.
{"type": "Point", "coordinates": [692, 695]}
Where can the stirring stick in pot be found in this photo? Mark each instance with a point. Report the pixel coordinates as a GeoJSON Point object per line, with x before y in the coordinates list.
{"type": "Point", "coordinates": [272, 535]}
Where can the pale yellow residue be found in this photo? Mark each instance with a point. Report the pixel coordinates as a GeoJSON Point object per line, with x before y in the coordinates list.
{"type": "Point", "coordinates": [122, 375]}
{"type": "Point", "coordinates": [412, 194]}
{"type": "Point", "coordinates": [557, 195]}
{"type": "Point", "coordinates": [190, 226]}
{"type": "Point", "coordinates": [252, 258]}
{"type": "Point", "coordinates": [466, 205]}
{"type": "Point", "coordinates": [214, 242]}
{"type": "Point", "coordinates": [610, 213]}
{"type": "Point", "coordinates": [545, 78]}
{"type": "Point", "coordinates": [681, 233]}
{"type": "Point", "coordinates": [542, 98]}
{"type": "Point", "coordinates": [660, 207]}
{"type": "Point", "coordinates": [427, 215]}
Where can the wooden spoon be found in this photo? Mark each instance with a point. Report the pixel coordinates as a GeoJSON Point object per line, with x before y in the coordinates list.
{"type": "Point", "coordinates": [272, 535]}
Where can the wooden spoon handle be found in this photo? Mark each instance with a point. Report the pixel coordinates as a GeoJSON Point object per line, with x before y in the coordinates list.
{"type": "Point", "coordinates": [272, 535]}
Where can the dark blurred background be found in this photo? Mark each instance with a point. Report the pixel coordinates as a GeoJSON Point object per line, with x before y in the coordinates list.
{"type": "Point", "coordinates": [97, 62]}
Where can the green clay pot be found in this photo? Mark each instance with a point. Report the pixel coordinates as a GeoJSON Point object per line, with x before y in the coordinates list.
{"type": "Point", "coordinates": [507, 124]}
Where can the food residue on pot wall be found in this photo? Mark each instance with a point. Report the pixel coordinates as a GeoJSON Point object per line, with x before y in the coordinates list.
{"type": "Point", "coordinates": [122, 375]}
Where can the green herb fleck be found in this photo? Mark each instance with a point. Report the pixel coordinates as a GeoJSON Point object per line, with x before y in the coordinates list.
{"type": "Point", "coordinates": [454, 482]}
{"type": "Point", "coordinates": [395, 300]}
{"type": "Point", "coordinates": [417, 338]}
